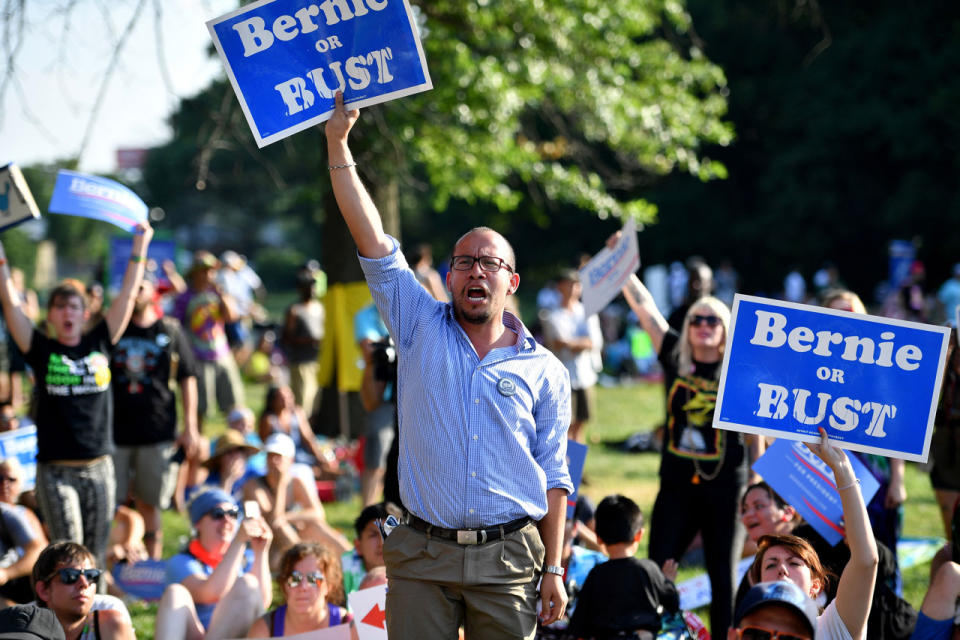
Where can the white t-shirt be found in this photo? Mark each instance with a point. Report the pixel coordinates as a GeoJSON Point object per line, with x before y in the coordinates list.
{"type": "Point", "coordinates": [566, 324]}
{"type": "Point", "coordinates": [830, 626]}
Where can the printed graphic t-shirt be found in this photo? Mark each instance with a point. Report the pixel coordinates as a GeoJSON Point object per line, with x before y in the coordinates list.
{"type": "Point", "coordinates": [691, 446]}
{"type": "Point", "coordinates": [144, 365]}
{"type": "Point", "coordinates": [201, 316]}
{"type": "Point", "coordinates": [75, 406]}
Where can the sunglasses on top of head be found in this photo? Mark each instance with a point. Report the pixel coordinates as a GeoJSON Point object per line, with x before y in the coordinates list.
{"type": "Point", "coordinates": [314, 578]}
{"type": "Point", "coordinates": [70, 576]}
{"type": "Point", "coordinates": [710, 321]}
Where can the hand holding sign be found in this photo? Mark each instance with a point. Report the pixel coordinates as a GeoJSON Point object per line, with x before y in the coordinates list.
{"type": "Point", "coordinates": [341, 122]}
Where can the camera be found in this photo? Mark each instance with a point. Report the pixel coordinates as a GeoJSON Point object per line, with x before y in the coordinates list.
{"type": "Point", "coordinates": [384, 360]}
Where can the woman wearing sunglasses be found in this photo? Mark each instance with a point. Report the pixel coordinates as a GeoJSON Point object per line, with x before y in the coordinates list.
{"type": "Point", "coordinates": [217, 586]}
{"type": "Point", "coordinates": [312, 594]}
{"type": "Point", "coordinates": [703, 471]}
{"type": "Point", "coordinates": [787, 557]}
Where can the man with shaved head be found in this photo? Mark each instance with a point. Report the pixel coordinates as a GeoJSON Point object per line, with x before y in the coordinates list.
{"type": "Point", "coordinates": [483, 416]}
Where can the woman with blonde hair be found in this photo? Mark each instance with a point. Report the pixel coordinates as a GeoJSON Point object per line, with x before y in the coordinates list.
{"type": "Point", "coordinates": [313, 595]}
{"type": "Point", "coordinates": [703, 471]}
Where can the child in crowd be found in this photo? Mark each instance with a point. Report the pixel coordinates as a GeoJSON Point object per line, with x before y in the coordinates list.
{"type": "Point", "coordinates": [367, 553]}
{"type": "Point", "coordinates": [624, 594]}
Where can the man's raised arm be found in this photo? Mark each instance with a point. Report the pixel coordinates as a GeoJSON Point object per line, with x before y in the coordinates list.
{"type": "Point", "coordinates": [355, 204]}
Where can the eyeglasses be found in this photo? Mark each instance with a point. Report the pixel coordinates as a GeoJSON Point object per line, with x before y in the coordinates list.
{"type": "Point", "coordinates": [759, 633]}
{"type": "Point", "coordinates": [296, 579]}
{"type": "Point", "coordinates": [220, 513]}
{"type": "Point", "coordinates": [70, 576]}
{"type": "Point", "coordinates": [487, 263]}
{"type": "Point", "coordinates": [710, 321]}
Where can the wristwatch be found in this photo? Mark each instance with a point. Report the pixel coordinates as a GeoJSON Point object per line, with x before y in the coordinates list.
{"type": "Point", "coordinates": [552, 568]}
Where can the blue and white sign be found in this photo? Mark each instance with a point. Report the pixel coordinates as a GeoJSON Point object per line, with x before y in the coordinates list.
{"type": "Point", "coordinates": [872, 383]}
{"type": "Point", "coordinates": [120, 249]}
{"type": "Point", "coordinates": [287, 58]}
{"type": "Point", "coordinates": [145, 580]}
{"type": "Point", "coordinates": [22, 444]}
{"type": "Point", "coordinates": [604, 275]}
{"type": "Point", "coordinates": [576, 458]}
{"type": "Point", "coordinates": [806, 483]}
{"type": "Point", "coordinates": [16, 202]}
{"type": "Point", "coordinates": [78, 194]}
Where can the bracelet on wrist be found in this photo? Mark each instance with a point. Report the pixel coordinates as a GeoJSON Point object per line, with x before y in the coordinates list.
{"type": "Point", "coordinates": [853, 483]}
{"type": "Point", "coordinates": [138, 258]}
{"type": "Point", "coordinates": [334, 167]}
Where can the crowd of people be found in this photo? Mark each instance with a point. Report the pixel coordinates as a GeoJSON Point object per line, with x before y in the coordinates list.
{"type": "Point", "coordinates": [465, 484]}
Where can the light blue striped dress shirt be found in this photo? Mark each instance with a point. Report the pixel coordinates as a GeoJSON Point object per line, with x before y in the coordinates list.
{"type": "Point", "coordinates": [472, 454]}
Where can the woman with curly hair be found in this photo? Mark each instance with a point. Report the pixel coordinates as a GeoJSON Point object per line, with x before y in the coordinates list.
{"type": "Point", "coordinates": [312, 592]}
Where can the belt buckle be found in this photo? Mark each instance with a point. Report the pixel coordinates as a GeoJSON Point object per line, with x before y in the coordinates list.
{"type": "Point", "coordinates": [471, 536]}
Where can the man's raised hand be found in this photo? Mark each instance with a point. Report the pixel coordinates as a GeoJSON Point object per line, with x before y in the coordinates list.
{"type": "Point", "coordinates": [340, 123]}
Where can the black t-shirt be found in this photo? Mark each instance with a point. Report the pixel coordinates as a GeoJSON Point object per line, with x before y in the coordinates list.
{"type": "Point", "coordinates": [625, 594]}
{"type": "Point", "coordinates": [74, 404]}
{"type": "Point", "coordinates": [145, 364]}
{"type": "Point", "coordinates": [691, 446]}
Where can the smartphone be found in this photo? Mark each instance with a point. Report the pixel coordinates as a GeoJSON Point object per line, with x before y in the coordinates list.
{"type": "Point", "coordinates": [251, 509]}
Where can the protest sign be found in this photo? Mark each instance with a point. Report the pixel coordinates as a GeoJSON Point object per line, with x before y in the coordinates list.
{"type": "Point", "coordinates": [22, 444]}
{"type": "Point", "coordinates": [286, 59]}
{"type": "Point", "coordinates": [369, 609]}
{"type": "Point", "coordinates": [16, 201]}
{"type": "Point", "coordinates": [806, 483]}
{"type": "Point", "coordinates": [77, 194]}
{"type": "Point", "coordinates": [145, 580]}
{"type": "Point", "coordinates": [576, 457]}
{"type": "Point", "coordinates": [603, 277]}
{"type": "Point", "coordinates": [120, 249]}
{"type": "Point", "coordinates": [872, 383]}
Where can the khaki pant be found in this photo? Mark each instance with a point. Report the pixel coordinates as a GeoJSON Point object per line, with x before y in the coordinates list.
{"type": "Point", "coordinates": [438, 585]}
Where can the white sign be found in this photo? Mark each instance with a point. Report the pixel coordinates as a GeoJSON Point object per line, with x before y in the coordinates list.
{"type": "Point", "coordinates": [369, 608]}
{"type": "Point", "coordinates": [604, 276]}
{"type": "Point", "coordinates": [16, 201]}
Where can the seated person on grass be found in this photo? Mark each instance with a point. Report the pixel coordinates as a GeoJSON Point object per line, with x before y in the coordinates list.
{"type": "Point", "coordinates": [367, 552]}
{"type": "Point", "coordinates": [65, 578]}
{"type": "Point", "coordinates": [216, 587]}
{"type": "Point", "coordinates": [624, 594]}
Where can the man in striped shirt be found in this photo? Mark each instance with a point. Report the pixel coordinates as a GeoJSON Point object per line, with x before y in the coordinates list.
{"type": "Point", "coordinates": [483, 416]}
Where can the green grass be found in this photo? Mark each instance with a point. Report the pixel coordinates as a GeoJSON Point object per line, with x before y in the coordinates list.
{"type": "Point", "coordinates": [621, 411]}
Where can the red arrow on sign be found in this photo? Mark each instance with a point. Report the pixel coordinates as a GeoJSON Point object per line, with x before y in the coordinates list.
{"type": "Point", "coordinates": [375, 617]}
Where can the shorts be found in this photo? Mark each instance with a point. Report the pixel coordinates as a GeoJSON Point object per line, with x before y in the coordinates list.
{"type": "Point", "coordinates": [582, 404]}
{"type": "Point", "coordinates": [219, 383]}
{"type": "Point", "coordinates": [945, 453]}
{"type": "Point", "coordinates": [379, 435]}
{"type": "Point", "coordinates": [930, 629]}
{"type": "Point", "coordinates": [147, 468]}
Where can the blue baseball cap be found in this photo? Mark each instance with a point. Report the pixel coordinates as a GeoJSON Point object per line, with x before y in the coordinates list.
{"type": "Point", "coordinates": [207, 501]}
{"type": "Point", "coordinates": [783, 593]}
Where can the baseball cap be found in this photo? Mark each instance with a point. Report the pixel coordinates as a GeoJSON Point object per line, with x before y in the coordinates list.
{"type": "Point", "coordinates": [280, 443]}
{"type": "Point", "coordinates": [29, 622]}
{"type": "Point", "coordinates": [782, 593]}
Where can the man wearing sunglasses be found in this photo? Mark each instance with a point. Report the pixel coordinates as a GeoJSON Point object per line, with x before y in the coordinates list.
{"type": "Point", "coordinates": [483, 417]}
{"type": "Point", "coordinates": [65, 580]}
{"type": "Point", "coordinates": [775, 611]}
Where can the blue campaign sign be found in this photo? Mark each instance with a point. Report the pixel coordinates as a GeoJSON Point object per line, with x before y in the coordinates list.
{"type": "Point", "coordinates": [576, 458]}
{"type": "Point", "coordinates": [145, 580]}
{"type": "Point", "coordinates": [120, 249]}
{"type": "Point", "coordinates": [872, 383]}
{"type": "Point", "coordinates": [77, 194]}
{"type": "Point", "coordinates": [806, 483]}
{"type": "Point", "coordinates": [287, 58]}
{"type": "Point", "coordinates": [22, 444]}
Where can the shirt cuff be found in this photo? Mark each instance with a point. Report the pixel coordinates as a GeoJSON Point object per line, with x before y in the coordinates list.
{"type": "Point", "coordinates": [380, 270]}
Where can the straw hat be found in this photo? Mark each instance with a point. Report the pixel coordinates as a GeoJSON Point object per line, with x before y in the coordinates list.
{"type": "Point", "coordinates": [231, 440]}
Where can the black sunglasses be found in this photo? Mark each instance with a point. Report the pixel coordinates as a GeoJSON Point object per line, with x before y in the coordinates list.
{"type": "Point", "coordinates": [759, 633]}
{"type": "Point", "coordinates": [487, 263]}
{"type": "Point", "coordinates": [220, 513]}
{"type": "Point", "coordinates": [70, 576]}
{"type": "Point", "coordinates": [296, 578]}
{"type": "Point", "coordinates": [710, 321]}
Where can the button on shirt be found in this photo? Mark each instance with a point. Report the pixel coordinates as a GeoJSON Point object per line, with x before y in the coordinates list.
{"type": "Point", "coordinates": [481, 441]}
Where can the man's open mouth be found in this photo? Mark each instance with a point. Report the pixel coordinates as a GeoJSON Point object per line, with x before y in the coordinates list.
{"type": "Point", "coordinates": [476, 294]}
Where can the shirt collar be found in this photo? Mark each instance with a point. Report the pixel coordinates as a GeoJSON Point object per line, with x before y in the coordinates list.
{"type": "Point", "coordinates": [511, 322]}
